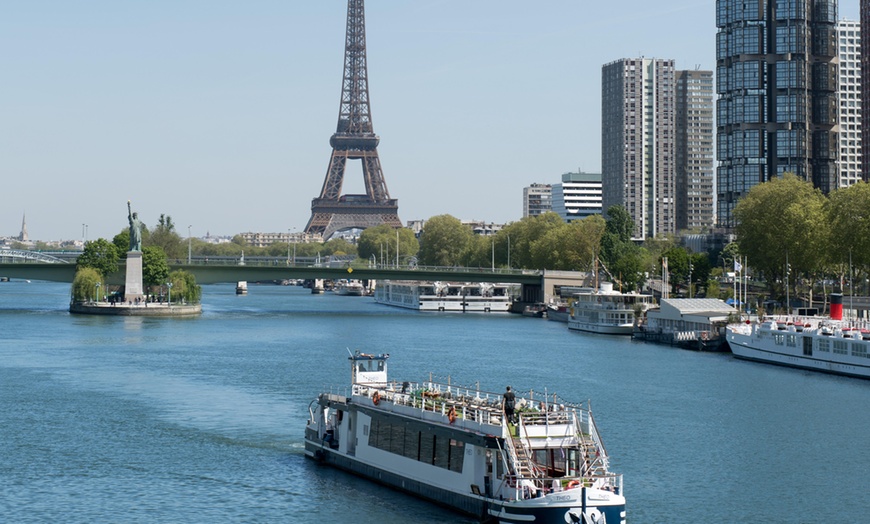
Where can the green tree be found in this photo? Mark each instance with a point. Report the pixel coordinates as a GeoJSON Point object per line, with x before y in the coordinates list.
{"type": "Point", "coordinates": [848, 209]}
{"type": "Point", "coordinates": [527, 231]}
{"type": "Point", "coordinates": [122, 242]}
{"type": "Point", "coordinates": [338, 246]}
{"type": "Point", "coordinates": [100, 255]}
{"type": "Point", "coordinates": [380, 241]}
{"type": "Point", "coordinates": [155, 270]}
{"type": "Point", "coordinates": [166, 238]}
{"type": "Point", "coordinates": [84, 286]}
{"type": "Point", "coordinates": [784, 217]}
{"type": "Point", "coordinates": [184, 287]}
{"type": "Point", "coordinates": [444, 241]}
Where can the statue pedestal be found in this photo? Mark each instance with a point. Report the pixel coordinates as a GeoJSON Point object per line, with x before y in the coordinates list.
{"type": "Point", "coordinates": [133, 288]}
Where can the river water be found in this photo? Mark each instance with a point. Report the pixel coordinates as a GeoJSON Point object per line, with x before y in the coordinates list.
{"type": "Point", "coordinates": [112, 419]}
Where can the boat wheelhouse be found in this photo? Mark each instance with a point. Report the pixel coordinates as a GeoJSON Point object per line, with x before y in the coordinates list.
{"type": "Point", "coordinates": [606, 311]}
{"type": "Point", "coordinates": [481, 297]}
{"type": "Point", "coordinates": [454, 446]}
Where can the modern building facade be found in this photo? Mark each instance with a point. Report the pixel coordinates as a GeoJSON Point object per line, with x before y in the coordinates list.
{"type": "Point", "coordinates": [694, 151]}
{"type": "Point", "coordinates": [777, 85]}
{"type": "Point", "coordinates": [865, 89]}
{"type": "Point", "coordinates": [537, 199]}
{"type": "Point", "coordinates": [849, 102]}
{"type": "Point", "coordinates": [638, 141]}
{"type": "Point", "coordinates": [577, 196]}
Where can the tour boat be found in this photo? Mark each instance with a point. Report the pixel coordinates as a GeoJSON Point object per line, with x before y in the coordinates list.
{"type": "Point", "coordinates": [350, 288]}
{"type": "Point", "coordinates": [445, 296]}
{"type": "Point", "coordinates": [827, 344]}
{"type": "Point", "coordinates": [606, 311]}
{"type": "Point", "coordinates": [454, 446]}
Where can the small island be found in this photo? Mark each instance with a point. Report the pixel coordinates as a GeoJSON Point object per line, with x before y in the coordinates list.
{"type": "Point", "coordinates": [149, 289]}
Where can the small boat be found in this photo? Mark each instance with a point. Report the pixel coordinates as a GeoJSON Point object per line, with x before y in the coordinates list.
{"type": "Point", "coordinates": [607, 312]}
{"type": "Point", "coordinates": [559, 312]}
{"type": "Point", "coordinates": [535, 310]}
{"type": "Point", "coordinates": [455, 446]}
{"type": "Point", "coordinates": [242, 287]}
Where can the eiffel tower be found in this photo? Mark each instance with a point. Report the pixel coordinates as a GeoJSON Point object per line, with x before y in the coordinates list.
{"type": "Point", "coordinates": [354, 139]}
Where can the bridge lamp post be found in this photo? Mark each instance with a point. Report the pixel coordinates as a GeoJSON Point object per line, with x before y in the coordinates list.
{"type": "Point", "coordinates": [188, 245]}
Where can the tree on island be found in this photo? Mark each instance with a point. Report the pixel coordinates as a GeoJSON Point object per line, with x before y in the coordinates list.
{"type": "Point", "coordinates": [155, 269]}
{"type": "Point", "coordinates": [100, 255]}
{"type": "Point", "coordinates": [184, 287]}
{"type": "Point", "coordinates": [84, 286]}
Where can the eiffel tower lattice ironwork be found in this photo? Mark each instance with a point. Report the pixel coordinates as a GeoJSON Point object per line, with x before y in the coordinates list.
{"type": "Point", "coordinates": [354, 139]}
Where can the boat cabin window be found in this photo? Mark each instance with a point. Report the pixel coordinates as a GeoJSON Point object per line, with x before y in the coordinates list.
{"type": "Point", "coordinates": [370, 365]}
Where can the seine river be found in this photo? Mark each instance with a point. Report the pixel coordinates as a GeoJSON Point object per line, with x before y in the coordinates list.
{"type": "Point", "coordinates": [201, 420]}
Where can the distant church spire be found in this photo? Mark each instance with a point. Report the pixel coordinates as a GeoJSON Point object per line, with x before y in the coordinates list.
{"type": "Point", "coordinates": [23, 236]}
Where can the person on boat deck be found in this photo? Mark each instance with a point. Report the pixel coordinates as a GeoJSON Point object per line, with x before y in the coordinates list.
{"type": "Point", "coordinates": [510, 400]}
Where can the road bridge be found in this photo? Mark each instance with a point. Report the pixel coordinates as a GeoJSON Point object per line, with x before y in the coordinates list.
{"type": "Point", "coordinates": [537, 285]}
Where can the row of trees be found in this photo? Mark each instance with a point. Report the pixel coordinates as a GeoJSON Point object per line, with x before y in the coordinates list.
{"type": "Point", "coordinates": [791, 232]}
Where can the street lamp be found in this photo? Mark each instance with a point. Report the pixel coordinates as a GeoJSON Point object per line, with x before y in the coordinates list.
{"type": "Point", "coordinates": [294, 247]}
{"type": "Point", "coordinates": [169, 294]}
{"type": "Point", "coordinates": [97, 292]}
{"type": "Point", "coordinates": [188, 245]}
{"type": "Point", "coordinates": [509, 251]}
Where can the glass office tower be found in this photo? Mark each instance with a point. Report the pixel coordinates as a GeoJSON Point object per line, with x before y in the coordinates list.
{"type": "Point", "coordinates": [777, 87]}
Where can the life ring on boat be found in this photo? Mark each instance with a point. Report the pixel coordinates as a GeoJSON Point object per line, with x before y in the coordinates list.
{"type": "Point", "coordinates": [376, 398]}
{"type": "Point", "coordinates": [573, 484]}
{"type": "Point", "coordinates": [451, 414]}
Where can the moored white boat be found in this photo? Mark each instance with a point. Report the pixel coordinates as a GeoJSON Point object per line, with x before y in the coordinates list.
{"type": "Point", "coordinates": [350, 288]}
{"type": "Point", "coordinates": [607, 312]}
{"type": "Point", "coordinates": [827, 344]}
{"type": "Point", "coordinates": [453, 446]}
{"type": "Point", "coordinates": [445, 296]}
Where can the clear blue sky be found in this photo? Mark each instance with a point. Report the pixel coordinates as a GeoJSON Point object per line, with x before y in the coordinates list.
{"type": "Point", "coordinates": [219, 113]}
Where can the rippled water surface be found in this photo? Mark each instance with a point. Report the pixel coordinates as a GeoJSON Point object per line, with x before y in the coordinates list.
{"type": "Point", "coordinates": [111, 419]}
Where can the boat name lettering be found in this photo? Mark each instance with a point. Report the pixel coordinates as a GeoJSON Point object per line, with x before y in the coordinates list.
{"type": "Point", "coordinates": [601, 496]}
{"type": "Point", "coordinates": [562, 498]}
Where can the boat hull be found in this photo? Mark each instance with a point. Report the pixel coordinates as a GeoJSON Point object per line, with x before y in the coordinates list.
{"type": "Point", "coordinates": [601, 329]}
{"type": "Point", "coordinates": [540, 510]}
{"type": "Point", "coordinates": [803, 353]}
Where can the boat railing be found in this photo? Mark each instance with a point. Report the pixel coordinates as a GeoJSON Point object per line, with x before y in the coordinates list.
{"type": "Point", "coordinates": [468, 403]}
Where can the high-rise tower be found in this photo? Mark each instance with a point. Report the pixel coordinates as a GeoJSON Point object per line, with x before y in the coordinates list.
{"type": "Point", "coordinates": [694, 150]}
{"type": "Point", "coordinates": [637, 142]}
{"type": "Point", "coordinates": [865, 89]}
{"type": "Point", "coordinates": [777, 83]}
{"type": "Point", "coordinates": [354, 139]}
{"type": "Point", "coordinates": [849, 102]}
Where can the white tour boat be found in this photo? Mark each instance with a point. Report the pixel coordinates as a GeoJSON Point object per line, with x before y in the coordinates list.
{"type": "Point", "coordinates": [445, 296]}
{"type": "Point", "coordinates": [606, 311]}
{"type": "Point", "coordinates": [349, 288]}
{"type": "Point", "coordinates": [453, 446]}
{"type": "Point", "coordinates": [827, 344]}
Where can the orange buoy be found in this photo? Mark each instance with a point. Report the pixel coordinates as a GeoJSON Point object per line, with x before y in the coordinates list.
{"type": "Point", "coordinates": [376, 398]}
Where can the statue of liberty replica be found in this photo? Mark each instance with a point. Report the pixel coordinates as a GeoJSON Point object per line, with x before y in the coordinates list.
{"type": "Point", "coordinates": [135, 229]}
{"type": "Point", "coordinates": [133, 288]}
